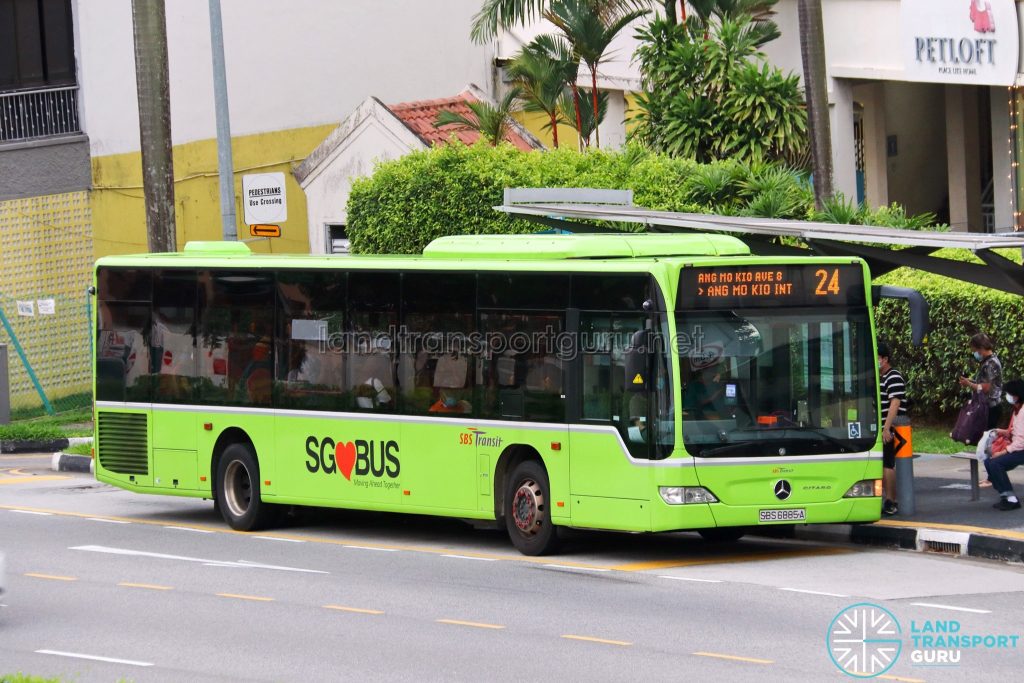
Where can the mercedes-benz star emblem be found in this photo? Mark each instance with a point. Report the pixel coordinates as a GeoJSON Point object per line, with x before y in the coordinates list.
{"type": "Point", "coordinates": [782, 489]}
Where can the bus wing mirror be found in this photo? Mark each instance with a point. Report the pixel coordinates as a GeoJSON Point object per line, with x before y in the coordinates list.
{"type": "Point", "coordinates": [919, 323]}
{"type": "Point", "coordinates": [637, 361]}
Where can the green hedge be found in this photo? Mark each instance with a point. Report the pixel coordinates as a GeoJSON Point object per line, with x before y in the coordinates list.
{"type": "Point", "coordinates": [452, 189]}
{"type": "Point", "coordinates": [958, 310]}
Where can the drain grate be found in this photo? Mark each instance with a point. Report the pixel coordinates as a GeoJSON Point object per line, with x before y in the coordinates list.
{"type": "Point", "coordinates": [942, 547]}
{"type": "Point", "coordinates": [942, 541]}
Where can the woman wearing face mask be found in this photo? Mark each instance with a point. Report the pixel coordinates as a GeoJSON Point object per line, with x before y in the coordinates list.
{"type": "Point", "coordinates": [1005, 459]}
{"type": "Point", "coordinates": [989, 377]}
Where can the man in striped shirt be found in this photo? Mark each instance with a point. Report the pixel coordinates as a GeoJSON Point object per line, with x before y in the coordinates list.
{"type": "Point", "coordinates": [893, 392]}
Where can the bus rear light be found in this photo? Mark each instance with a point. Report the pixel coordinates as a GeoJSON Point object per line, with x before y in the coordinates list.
{"type": "Point", "coordinates": [866, 488]}
{"type": "Point", "coordinates": [686, 495]}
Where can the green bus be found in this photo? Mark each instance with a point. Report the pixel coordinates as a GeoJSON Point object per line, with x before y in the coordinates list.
{"type": "Point", "coordinates": [633, 382]}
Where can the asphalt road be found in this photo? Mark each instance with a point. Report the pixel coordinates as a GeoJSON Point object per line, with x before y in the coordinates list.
{"type": "Point", "coordinates": [105, 585]}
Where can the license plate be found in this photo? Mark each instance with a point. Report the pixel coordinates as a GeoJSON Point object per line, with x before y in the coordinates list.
{"type": "Point", "coordinates": [788, 515]}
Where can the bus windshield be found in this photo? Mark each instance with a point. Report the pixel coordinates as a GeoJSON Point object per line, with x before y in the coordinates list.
{"type": "Point", "coordinates": [777, 380]}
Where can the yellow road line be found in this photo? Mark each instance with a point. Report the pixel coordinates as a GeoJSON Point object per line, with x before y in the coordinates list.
{"type": "Point", "coordinates": [28, 478]}
{"type": "Point", "coordinates": [717, 655]}
{"type": "Point", "coordinates": [357, 610]}
{"type": "Point", "coordinates": [52, 577]}
{"type": "Point", "coordinates": [900, 678]}
{"type": "Point", "coordinates": [591, 639]}
{"type": "Point", "coordinates": [40, 456]}
{"type": "Point", "coordinates": [1002, 533]}
{"type": "Point", "coordinates": [255, 598]}
{"type": "Point", "coordinates": [474, 624]}
{"type": "Point", "coordinates": [310, 539]}
{"type": "Point", "coordinates": [150, 586]}
{"type": "Point", "coordinates": [728, 559]}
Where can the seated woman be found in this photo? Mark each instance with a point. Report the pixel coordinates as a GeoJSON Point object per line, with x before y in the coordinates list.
{"type": "Point", "coordinates": [1009, 457]}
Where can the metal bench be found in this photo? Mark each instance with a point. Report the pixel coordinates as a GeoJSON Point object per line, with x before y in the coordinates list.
{"type": "Point", "coordinates": [968, 455]}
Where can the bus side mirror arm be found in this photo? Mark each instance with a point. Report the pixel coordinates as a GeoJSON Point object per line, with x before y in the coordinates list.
{"type": "Point", "coordinates": [919, 323]}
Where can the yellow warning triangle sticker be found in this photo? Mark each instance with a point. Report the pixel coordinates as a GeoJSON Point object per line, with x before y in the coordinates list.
{"type": "Point", "coordinates": [638, 379]}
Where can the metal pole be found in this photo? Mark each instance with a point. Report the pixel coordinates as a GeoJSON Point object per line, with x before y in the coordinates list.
{"type": "Point", "coordinates": [220, 95]}
{"type": "Point", "coordinates": [5, 388]}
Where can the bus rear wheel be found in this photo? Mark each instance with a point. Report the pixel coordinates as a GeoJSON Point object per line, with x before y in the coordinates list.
{"type": "Point", "coordinates": [726, 534]}
{"type": "Point", "coordinates": [238, 490]}
{"type": "Point", "coordinates": [527, 510]}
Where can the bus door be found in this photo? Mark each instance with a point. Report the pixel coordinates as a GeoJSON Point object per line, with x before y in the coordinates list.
{"type": "Point", "coordinates": [612, 439]}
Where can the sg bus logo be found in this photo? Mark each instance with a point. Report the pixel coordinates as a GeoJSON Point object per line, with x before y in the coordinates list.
{"type": "Point", "coordinates": [359, 457]}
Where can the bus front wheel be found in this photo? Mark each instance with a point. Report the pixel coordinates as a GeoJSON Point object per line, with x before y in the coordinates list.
{"type": "Point", "coordinates": [527, 510]}
{"type": "Point", "coordinates": [238, 490]}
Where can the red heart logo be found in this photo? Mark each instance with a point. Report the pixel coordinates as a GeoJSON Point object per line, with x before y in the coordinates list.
{"type": "Point", "coordinates": [345, 456]}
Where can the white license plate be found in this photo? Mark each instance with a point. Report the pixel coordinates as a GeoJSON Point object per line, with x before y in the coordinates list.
{"type": "Point", "coordinates": [788, 515]}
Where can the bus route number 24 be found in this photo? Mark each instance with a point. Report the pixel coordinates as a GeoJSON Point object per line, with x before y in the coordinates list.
{"type": "Point", "coordinates": [828, 282]}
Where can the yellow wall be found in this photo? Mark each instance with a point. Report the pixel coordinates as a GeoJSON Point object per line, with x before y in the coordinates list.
{"type": "Point", "coordinates": [535, 122]}
{"type": "Point", "coordinates": [118, 206]}
{"type": "Point", "coordinates": [46, 251]}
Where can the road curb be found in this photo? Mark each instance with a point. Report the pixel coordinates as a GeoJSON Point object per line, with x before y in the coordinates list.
{"type": "Point", "coordinates": [920, 539]}
{"type": "Point", "coordinates": [66, 462]}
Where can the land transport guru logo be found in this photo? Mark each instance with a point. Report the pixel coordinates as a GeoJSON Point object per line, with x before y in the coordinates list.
{"type": "Point", "coordinates": [866, 640]}
{"type": "Point", "coordinates": [371, 462]}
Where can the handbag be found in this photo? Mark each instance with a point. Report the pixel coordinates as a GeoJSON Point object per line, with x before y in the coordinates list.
{"type": "Point", "coordinates": [972, 420]}
{"type": "Point", "coordinates": [1000, 443]}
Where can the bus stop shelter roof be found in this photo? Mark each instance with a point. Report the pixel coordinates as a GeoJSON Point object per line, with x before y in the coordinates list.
{"type": "Point", "coordinates": [885, 249]}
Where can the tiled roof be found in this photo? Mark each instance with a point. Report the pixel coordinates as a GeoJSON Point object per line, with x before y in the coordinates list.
{"type": "Point", "coordinates": [419, 117]}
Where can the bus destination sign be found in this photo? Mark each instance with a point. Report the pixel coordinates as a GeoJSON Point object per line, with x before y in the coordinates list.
{"type": "Point", "coordinates": [766, 286]}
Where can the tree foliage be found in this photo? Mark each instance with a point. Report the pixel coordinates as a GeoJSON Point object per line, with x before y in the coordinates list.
{"type": "Point", "coordinates": [713, 96]}
{"type": "Point", "coordinates": [492, 122]}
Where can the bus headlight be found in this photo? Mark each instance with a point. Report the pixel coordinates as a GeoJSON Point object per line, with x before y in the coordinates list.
{"type": "Point", "coordinates": [866, 488]}
{"type": "Point", "coordinates": [685, 495]}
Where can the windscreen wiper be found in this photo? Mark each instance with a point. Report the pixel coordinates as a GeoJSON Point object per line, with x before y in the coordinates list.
{"type": "Point", "coordinates": [825, 436]}
{"type": "Point", "coordinates": [718, 450]}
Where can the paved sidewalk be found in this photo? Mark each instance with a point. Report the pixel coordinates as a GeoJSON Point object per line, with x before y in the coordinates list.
{"type": "Point", "coordinates": [945, 518]}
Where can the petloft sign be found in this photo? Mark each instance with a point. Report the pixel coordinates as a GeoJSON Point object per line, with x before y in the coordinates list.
{"type": "Point", "coordinates": [960, 41]}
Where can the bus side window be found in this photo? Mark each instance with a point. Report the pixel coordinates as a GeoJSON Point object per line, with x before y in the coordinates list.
{"type": "Point", "coordinates": [373, 302]}
{"type": "Point", "coordinates": [124, 367]}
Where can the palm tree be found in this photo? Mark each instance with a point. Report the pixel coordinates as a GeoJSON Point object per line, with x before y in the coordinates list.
{"type": "Point", "coordinates": [542, 70]}
{"type": "Point", "coordinates": [587, 121]}
{"type": "Point", "coordinates": [503, 14]}
{"type": "Point", "coordinates": [490, 121]}
{"type": "Point", "coordinates": [812, 52]}
{"type": "Point", "coordinates": [590, 31]}
{"type": "Point", "coordinates": [760, 12]}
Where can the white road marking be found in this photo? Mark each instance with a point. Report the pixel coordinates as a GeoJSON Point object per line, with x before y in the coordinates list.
{"type": "Point", "coordinates": [467, 557]}
{"type": "Point", "coordinates": [185, 558]}
{"type": "Point", "coordinates": [95, 658]}
{"type": "Point", "coordinates": [366, 547]}
{"type": "Point", "coordinates": [802, 590]}
{"type": "Point", "coordinates": [33, 512]}
{"type": "Point", "coordinates": [185, 528]}
{"type": "Point", "coordinates": [686, 578]}
{"type": "Point", "coordinates": [952, 607]}
{"type": "Point", "coordinates": [576, 569]}
{"type": "Point", "coordinates": [107, 521]}
{"type": "Point", "coordinates": [275, 538]}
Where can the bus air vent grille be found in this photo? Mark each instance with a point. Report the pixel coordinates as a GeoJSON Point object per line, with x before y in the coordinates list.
{"type": "Point", "coordinates": [123, 442]}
